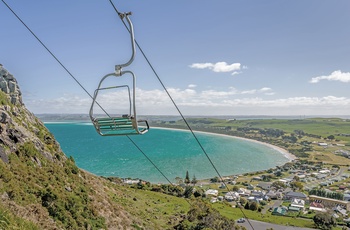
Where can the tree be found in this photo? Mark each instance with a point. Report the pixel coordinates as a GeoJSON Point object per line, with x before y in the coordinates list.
{"type": "Point", "coordinates": [266, 178]}
{"type": "Point", "coordinates": [278, 173]}
{"type": "Point", "coordinates": [246, 206]}
{"type": "Point", "coordinates": [324, 221]}
{"type": "Point", "coordinates": [187, 178]}
{"type": "Point", "coordinates": [297, 185]}
{"type": "Point", "coordinates": [235, 188]}
{"type": "Point", "coordinates": [278, 185]}
{"type": "Point", "coordinates": [203, 216]}
{"type": "Point", "coordinates": [188, 192]}
{"type": "Point", "coordinates": [253, 206]}
{"type": "Point", "coordinates": [243, 201]}
{"type": "Point", "coordinates": [194, 180]}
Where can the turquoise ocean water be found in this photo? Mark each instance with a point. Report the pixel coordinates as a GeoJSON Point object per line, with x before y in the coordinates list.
{"type": "Point", "coordinates": [172, 151]}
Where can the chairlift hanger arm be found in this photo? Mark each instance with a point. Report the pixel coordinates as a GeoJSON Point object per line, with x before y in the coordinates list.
{"type": "Point", "coordinates": [118, 68]}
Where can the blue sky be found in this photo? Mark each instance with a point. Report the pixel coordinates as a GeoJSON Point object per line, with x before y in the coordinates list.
{"type": "Point", "coordinates": [222, 57]}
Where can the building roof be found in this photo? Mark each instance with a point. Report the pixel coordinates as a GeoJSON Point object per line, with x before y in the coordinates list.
{"type": "Point", "coordinates": [296, 195]}
{"type": "Point", "coordinates": [298, 203]}
{"type": "Point", "coordinates": [212, 192]}
{"type": "Point", "coordinates": [279, 211]}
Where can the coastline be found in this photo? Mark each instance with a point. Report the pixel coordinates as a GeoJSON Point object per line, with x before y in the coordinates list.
{"type": "Point", "coordinates": [283, 151]}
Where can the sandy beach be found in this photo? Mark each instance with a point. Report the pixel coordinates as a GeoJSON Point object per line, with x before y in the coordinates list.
{"type": "Point", "coordinates": [279, 149]}
{"type": "Point", "coordinates": [283, 151]}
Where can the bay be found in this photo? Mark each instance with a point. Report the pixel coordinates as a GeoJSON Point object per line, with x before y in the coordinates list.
{"type": "Point", "coordinates": [173, 152]}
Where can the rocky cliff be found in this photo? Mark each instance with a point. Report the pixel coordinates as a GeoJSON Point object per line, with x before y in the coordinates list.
{"type": "Point", "coordinates": [9, 86]}
{"type": "Point", "coordinates": [18, 125]}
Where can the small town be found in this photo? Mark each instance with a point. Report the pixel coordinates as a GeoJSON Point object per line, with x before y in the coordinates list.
{"type": "Point", "coordinates": [305, 189]}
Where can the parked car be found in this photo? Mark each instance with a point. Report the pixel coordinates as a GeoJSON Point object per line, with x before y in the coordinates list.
{"type": "Point", "coordinates": [242, 220]}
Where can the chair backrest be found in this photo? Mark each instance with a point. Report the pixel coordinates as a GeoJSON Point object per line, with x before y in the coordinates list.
{"type": "Point", "coordinates": [114, 126]}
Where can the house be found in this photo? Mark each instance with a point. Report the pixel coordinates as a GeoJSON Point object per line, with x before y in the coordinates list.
{"type": "Point", "coordinates": [250, 187]}
{"type": "Point", "coordinates": [298, 203]}
{"type": "Point", "coordinates": [243, 192]}
{"type": "Point", "coordinates": [295, 195]}
{"type": "Point", "coordinates": [257, 194]}
{"type": "Point", "coordinates": [279, 211]}
{"type": "Point", "coordinates": [264, 185]}
{"type": "Point", "coordinates": [231, 196]}
{"type": "Point", "coordinates": [340, 210]}
{"type": "Point", "coordinates": [293, 209]}
{"type": "Point", "coordinates": [346, 197]}
{"type": "Point", "coordinates": [274, 195]}
{"type": "Point", "coordinates": [222, 185]}
{"type": "Point", "coordinates": [321, 176]}
{"type": "Point", "coordinates": [317, 206]}
{"type": "Point", "coordinates": [330, 203]}
{"type": "Point", "coordinates": [301, 176]}
{"type": "Point", "coordinates": [211, 192]}
{"type": "Point", "coordinates": [325, 171]}
{"type": "Point", "coordinates": [254, 199]}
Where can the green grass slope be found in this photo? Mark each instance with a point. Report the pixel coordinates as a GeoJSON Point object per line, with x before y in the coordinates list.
{"type": "Point", "coordinates": [40, 188]}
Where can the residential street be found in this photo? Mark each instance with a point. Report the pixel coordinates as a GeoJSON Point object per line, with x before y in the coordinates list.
{"type": "Point", "coordinates": [258, 225]}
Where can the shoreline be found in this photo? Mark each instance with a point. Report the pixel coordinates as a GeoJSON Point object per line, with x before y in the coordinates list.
{"type": "Point", "coordinates": [283, 151]}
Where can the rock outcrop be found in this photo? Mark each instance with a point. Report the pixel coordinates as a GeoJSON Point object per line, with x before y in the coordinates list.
{"type": "Point", "coordinates": [17, 124]}
{"type": "Point", "coordinates": [9, 86]}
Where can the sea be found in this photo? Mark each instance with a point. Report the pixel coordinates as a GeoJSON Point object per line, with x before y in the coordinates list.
{"type": "Point", "coordinates": [161, 155]}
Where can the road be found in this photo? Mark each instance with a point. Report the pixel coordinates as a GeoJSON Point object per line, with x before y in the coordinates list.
{"type": "Point", "coordinates": [258, 225]}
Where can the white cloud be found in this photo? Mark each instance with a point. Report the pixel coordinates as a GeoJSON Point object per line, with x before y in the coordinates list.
{"type": "Point", "coordinates": [219, 67]}
{"type": "Point", "coordinates": [192, 102]}
{"type": "Point", "coordinates": [201, 65]}
{"type": "Point", "coordinates": [192, 86]}
{"type": "Point", "coordinates": [253, 91]}
{"type": "Point", "coordinates": [265, 89]}
{"type": "Point", "coordinates": [335, 76]}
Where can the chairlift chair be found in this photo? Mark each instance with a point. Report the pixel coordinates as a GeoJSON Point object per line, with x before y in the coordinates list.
{"type": "Point", "coordinates": [126, 124]}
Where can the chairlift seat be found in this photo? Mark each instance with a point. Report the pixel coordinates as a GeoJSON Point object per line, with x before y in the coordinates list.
{"type": "Point", "coordinates": [112, 126]}
{"type": "Point", "coordinates": [124, 124]}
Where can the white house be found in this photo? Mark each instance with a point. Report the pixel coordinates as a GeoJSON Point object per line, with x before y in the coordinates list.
{"type": "Point", "coordinates": [298, 203]}
{"type": "Point", "coordinates": [243, 192]}
{"type": "Point", "coordinates": [212, 192]}
{"type": "Point", "coordinates": [231, 196]}
{"type": "Point", "coordinates": [325, 171]}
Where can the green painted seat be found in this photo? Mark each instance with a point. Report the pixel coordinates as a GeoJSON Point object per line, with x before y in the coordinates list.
{"type": "Point", "coordinates": [112, 126]}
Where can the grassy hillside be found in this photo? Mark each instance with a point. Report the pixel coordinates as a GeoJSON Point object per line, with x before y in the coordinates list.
{"type": "Point", "coordinates": [40, 188]}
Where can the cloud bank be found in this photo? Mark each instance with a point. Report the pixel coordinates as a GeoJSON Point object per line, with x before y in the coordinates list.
{"type": "Point", "coordinates": [207, 102]}
{"type": "Point", "coordinates": [335, 76]}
